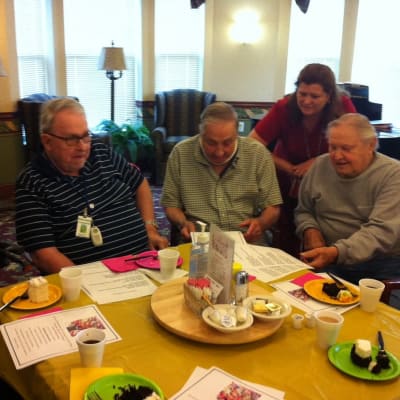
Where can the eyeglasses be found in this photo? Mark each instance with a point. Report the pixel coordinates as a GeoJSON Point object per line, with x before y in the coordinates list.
{"type": "Point", "coordinates": [73, 140]}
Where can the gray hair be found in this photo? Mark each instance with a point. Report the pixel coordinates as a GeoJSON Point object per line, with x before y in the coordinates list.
{"type": "Point", "coordinates": [217, 112]}
{"type": "Point", "coordinates": [54, 106]}
{"type": "Point", "coordinates": [358, 121]}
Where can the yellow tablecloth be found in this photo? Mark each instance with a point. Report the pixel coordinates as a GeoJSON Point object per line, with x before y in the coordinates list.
{"type": "Point", "coordinates": [289, 360]}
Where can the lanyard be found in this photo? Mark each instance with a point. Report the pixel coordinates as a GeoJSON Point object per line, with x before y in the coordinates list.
{"type": "Point", "coordinates": [82, 192]}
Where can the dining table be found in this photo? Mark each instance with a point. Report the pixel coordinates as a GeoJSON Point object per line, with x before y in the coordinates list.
{"type": "Point", "coordinates": [286, 358]}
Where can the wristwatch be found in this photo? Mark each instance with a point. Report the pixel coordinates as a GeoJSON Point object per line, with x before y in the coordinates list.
{"type": "Point", "coordinates": [152, 222]}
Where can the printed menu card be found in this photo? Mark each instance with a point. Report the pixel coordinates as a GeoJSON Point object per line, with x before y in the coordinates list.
{"type": "Point", "coordinates": [39, 338]}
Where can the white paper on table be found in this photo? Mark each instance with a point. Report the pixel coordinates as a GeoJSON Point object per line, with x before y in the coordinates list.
{"type": "Point", "coordinates": [294, 294]}
{"type": "Point", "coordinates": [267, 263]}
{"type": "Point", "coordinates": [206, 384]}
{"type": "Point", "coordinates": [156, 274]}
{"type": "Point", "coordinates": [105, 286]}
{"type": "Point", "coordinates": [30, 340]}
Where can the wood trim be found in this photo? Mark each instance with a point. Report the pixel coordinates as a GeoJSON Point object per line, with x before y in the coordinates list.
{"type": "Point", "coordinates": [8, 116]}
{"type": "Point", "coordinates": [243, 104]}
{"type": "Point", "coordinates": [7, 191]}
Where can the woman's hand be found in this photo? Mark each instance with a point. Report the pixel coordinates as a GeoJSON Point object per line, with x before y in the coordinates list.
{"type": "Point", "coordinates": [300, 170]}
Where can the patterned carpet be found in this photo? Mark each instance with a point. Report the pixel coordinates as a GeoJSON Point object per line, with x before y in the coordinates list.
{"type": "Point", "coordinates": [13, 265]}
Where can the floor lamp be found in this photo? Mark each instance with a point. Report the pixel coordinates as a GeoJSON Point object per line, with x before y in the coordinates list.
{"type": "Point", "coordinates": [112, 60]}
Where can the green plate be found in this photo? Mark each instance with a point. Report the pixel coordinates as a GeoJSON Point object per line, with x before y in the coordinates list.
{"type": "Point", "coordinates": [339, 356]}
{"type": "Point", "coordinates": [107, 386]}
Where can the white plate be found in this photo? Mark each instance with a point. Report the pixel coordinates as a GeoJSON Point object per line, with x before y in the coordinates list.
{"type": "Point", "coordinates": [285, 310]}
{"type": "Point", "coordinates": [239, 327]}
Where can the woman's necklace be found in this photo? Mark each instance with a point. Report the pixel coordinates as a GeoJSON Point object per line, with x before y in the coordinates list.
{"type": "Point", "coordinates": [307, 130]}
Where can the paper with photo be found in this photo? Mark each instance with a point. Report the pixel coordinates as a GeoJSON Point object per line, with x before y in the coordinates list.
{"type": "Point", "coordinates": [104, 286]}
{"type": "Point", "coordinates": [215, 383]}
{"type": "Point", "coordinates": [39, 338]}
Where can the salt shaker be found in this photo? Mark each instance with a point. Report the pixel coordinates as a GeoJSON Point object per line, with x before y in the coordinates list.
{"type": "Point", "coordinates": [241, 287]}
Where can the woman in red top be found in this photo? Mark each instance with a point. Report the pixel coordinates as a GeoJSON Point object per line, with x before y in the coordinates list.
{"type": "Point", "coordinates": [296, 126]}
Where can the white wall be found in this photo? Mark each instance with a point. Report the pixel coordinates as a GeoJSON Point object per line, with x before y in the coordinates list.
{"type": "Point", "coordinates": [246, 72]}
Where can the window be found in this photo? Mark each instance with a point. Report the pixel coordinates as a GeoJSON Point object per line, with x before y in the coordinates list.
{"type": "Point", "coordinates": [315, 37]}
{"type": "Point", "coordinates": [84, 38]}
{"type": "Point", "coordinates": [179, 45]}
{"type": "Point", "coordinates": [376, 59]}
{"type": "Point", "coordinates": [31, 47]}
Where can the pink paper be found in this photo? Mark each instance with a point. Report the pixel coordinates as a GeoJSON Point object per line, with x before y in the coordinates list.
{"type": "Point", "coordinates": [309, 276]}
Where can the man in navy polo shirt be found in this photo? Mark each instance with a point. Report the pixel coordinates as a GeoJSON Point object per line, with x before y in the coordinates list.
{"type": "Point", "coordinates": [79, 201]}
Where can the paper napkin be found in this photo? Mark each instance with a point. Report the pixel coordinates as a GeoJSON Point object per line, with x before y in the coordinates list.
{"type": "Point", "coordinates": [81, 378]}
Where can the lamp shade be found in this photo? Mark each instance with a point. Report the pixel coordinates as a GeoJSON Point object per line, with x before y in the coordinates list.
{"type": "Point", "coordinates": [2, 70]}
{"type": "Point", "coordinates": [112, 59]}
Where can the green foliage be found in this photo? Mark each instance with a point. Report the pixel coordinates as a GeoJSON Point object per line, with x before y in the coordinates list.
{"type": "Point", "coordinates": [131, 140]}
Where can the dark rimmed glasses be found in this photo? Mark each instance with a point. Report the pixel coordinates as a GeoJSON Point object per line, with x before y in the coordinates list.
{"type": "Point", "coordinates": [73, 140]}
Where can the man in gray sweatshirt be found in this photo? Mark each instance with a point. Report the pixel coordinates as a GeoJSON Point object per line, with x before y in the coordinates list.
{"type": "Point", "coordinates": [348, 215]}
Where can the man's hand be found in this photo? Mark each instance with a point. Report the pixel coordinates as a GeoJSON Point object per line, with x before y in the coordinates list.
{"type": "Point", "coordinates": [186, 228]}
{"type": "Point", "coordinates": [320, 257]}
{"type": "Point", "coordinates": [156, 241]}
{"type": "Point", "coordinates": [255, 230]}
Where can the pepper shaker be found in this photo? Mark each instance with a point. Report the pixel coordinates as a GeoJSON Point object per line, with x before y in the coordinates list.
{"type": "Point", "coordinates": [241, 287]}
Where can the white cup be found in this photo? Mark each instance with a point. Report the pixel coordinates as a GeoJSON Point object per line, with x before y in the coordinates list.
{"type": "Point", "coordinates": [328, 325]}
{"type": "Point", "coordinates": [370, 293]}
{"type": "Point", "coordinates": [91, 346]}
{"type": "Point", "coordinates": [297, 321]}
{"type": "Point", "coordinates": [71, 281]}
{"type": "Point", "coordinates": [168, 259]}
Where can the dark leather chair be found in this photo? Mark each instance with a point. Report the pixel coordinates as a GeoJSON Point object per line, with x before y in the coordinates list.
{"type": "Point", "coordinates": [359, 95]}
{"type": "Point", "coordinates": [176, 117]}
{"type": "Point", "coordinates": [373, 111]}
{"type": "Point", "coordinates": [390, 286]}
{"type": "Point", "coordinates": [28, 110]}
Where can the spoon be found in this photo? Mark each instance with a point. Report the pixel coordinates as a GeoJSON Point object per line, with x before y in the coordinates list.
{"type": "Point", "coordinates": [23, 295]}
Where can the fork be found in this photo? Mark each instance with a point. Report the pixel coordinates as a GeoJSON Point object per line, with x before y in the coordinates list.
{"type": "Point", "coordinates": [93, 396]}
{"type": "Point", "coordinates": [341, 284]}
{"type": "Point", "coordinates": [138, 257]}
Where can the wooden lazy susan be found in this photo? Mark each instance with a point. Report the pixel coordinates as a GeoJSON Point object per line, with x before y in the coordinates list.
{"type": "Point", "coordinates": [170, 311]}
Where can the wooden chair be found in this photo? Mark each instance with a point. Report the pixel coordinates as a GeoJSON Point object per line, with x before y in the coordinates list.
{"type": "Point", "coordinates": [390, 285]}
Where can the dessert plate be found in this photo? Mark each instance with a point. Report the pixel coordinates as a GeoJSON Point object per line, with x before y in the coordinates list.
{"type": "Point", "coordinates": [55, 294]}
{"type": "Point", "coordinates": [109, 386]}
{"type": "Point", "coordinates": [284, 312]}
{"type": "Point", "coordinates": [339, 356]}
{"type": "Point", "coordinates": [314, 289]}
{"type": "Point", "coordinates": [240, 327]}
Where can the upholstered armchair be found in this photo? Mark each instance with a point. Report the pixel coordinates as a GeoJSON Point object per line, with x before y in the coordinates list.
{"type": "Point", "coordinates": [176, 117]}
{"type": "Point", "coordinates": [28, 110]}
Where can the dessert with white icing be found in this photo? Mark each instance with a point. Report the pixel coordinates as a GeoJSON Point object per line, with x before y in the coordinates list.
{"type": "Point", "coordinates": [361, 355]}
{"type": "Point", "coordinates": [361, 352]}
{"type": "Point", "coordinates": [38, 290]}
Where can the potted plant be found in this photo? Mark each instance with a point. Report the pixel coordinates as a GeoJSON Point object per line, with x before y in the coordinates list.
{"type": "Point", "coordinates": [131, 140]}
